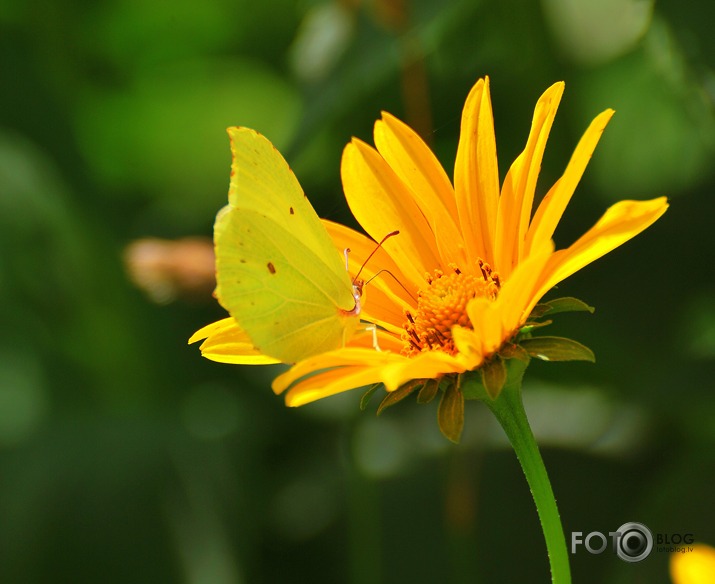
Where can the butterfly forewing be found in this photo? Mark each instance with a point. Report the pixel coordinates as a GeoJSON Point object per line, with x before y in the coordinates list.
{"type": "Point", "coordinates": [261, 180]}
{"type": "Point", "coordinates": [278, 272]}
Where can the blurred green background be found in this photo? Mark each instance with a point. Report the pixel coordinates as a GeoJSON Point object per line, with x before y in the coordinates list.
{"type": "Point", "coordinates": [126, 457]}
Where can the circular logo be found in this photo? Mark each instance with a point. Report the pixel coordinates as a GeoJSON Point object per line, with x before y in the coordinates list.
{"type": "Point", "coordinates": [635, 542]}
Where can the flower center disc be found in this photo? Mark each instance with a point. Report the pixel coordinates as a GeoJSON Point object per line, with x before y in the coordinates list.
{"type": "Point", "coordinates": [443, 304]}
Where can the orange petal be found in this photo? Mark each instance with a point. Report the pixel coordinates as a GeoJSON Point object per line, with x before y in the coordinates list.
{"type": "Point", "coordinates": [476, 174]}
{"type": "Point", "coordinates": [427, 365]}
{"type": "Point", "coordinates": [416, 165]}
{"type": "Point", "coordinates": [382, 203]}
{"type": "Point", "coordinates": [554, 203]}
{"type": "Point", "coordinates": [620, 223]}
{"type": "Point", "coordinates": [388, 368]}
{"type": "Point", "coordinates": [330, 383]}
{"type": "Point", "coordinates": [346, 357]}
{"type": "Point", "coordinates": [486, 320]}
{"type": "Point", "coordinates": [387, 341]}
{"type": "Point", "coordinates": [519, 294]}
{"type": "Point", "coordinates": [469, 346]}
{"type": "Point", "coordinates": [347, 368]}
{"type": "Point", "coordinates": [496, 321]}
{"type": "Point", "coordinates": [226, 342]}
{"type": "Point", "coordinates": [519, 187]}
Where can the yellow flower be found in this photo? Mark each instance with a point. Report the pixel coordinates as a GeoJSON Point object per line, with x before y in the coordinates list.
{"type": "Point", "coordinates": [469, 264]}
{"type": "Point", "coordinates": [695, 567]}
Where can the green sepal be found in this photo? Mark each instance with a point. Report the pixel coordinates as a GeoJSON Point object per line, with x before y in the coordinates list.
{"type": "Point", "coordinates": [493, 374]}
{"type": "Point", "coordinates": [428, 391]}
{"type": "Point", "coordinates": [368, 395]}
{"type": "Point", "coordinates": [557, 305]}
{"type": "Point", "coordinates": [399, 394]}
{"type": "Point", "coordinates": [514, 351]}
{"type": "Point", "coordinates": [450, 414]}
{"type": "Point", "coordinates": [472, 386]}
{"type": "Point", "coordinates": [532, 325]}
{"type": "Point", "coordinates": [557, 349]}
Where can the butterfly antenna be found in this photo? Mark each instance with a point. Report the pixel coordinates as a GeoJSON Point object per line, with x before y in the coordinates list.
{"type": "Point", "coordinates": [396, 280]}
{"type": "Point", "coordinates": [374, 251]}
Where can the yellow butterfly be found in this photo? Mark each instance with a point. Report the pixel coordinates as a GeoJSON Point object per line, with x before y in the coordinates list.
{"type": "Point", "coordinates": [279, 275]}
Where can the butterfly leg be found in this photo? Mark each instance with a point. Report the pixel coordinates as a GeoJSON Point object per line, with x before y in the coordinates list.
{"type": "Point", "coordinates": [373, 328]}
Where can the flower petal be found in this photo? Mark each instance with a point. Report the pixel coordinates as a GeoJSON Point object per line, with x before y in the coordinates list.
{"type": "Point", "coordinates": [347, 368]}
{"type": "Point", "coordinates": [695, 567]}
{"type": "Point", "coordinates": [469, 345]}
{"type": "Point", "coordinates": [329, 383]}
{"type": "Point", "coordinates": [476, 174]}
{"type": "Point", "coordinates": [427, 365]}
{"type": "Point", "coordinates": [486, 320]}
{"type": "Point", "coordinates": [519, 187]}
{"type": "Point", "coordinates": [620, 223]}
{"type": "Point", "coordinates": [416, 165]}
{"type": "Point", "coordinates": [496, 321]}
{"type": "Point", "coordinates": [520, 293]}
{"type": "Point", "coordinates": [382, 203]}
{"type": "Point", "coordinates": [350, 356]}
{"type": "Point", "coordinates": [554, 203]}
{"type": "Point", "coordinates": [226, 342]}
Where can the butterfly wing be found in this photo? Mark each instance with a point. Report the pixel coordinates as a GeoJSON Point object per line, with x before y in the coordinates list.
{"type": "Point", "coordinates": [278, 272]}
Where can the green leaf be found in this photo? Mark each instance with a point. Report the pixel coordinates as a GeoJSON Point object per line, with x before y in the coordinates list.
{"type": "Point", "coordinates": [450, 414]}
{"type": "Point", "coordinates": [368, 395]}
{"type": "Point", "coordinates": [428, 392]}
{"type": "Point", "coordinates": [493, 376]}
{"type": "Point", "coordinates": [566, 304]}
{"type": "Point", "coordinates": [539, 310]}
{"type": "Point", "coordinates": [557, 349]}
{"type": "Point", "coordinates": [399, 394]}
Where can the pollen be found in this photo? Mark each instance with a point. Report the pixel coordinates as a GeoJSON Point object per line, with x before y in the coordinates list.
{"type": "Point", "coordinates": [442, 304]}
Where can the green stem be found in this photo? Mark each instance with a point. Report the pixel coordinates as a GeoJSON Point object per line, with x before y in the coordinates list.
{"type": "Point", "coordinates": [509, 410]}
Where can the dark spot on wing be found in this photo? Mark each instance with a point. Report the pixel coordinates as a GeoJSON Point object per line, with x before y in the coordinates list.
{"type": "Point", "coordinates": [271, 268]}
{"type": "Point", "coordinates": [292, 212]}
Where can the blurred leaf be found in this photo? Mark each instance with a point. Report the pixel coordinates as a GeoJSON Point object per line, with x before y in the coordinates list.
{"type": "Point", "coordinates": [662, 138]}
{"type": "Point", "coordinates": [167, 133]}
{"type": "Point", "coordinates": [321, 40]}
{"type": "Point", "coordinates": [696, 337]}
{"type": "Point", "coordinates": [63, 291]}
{"type": "Point", "coordinates": [135, 35]}
{"type": "Point", "coordinates": [595, 31]}
{"type": "Point", "coordinates": [23, 395]}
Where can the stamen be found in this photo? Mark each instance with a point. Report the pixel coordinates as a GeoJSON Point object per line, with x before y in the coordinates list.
{"type": "Point", "coordinates": [442, 304]}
